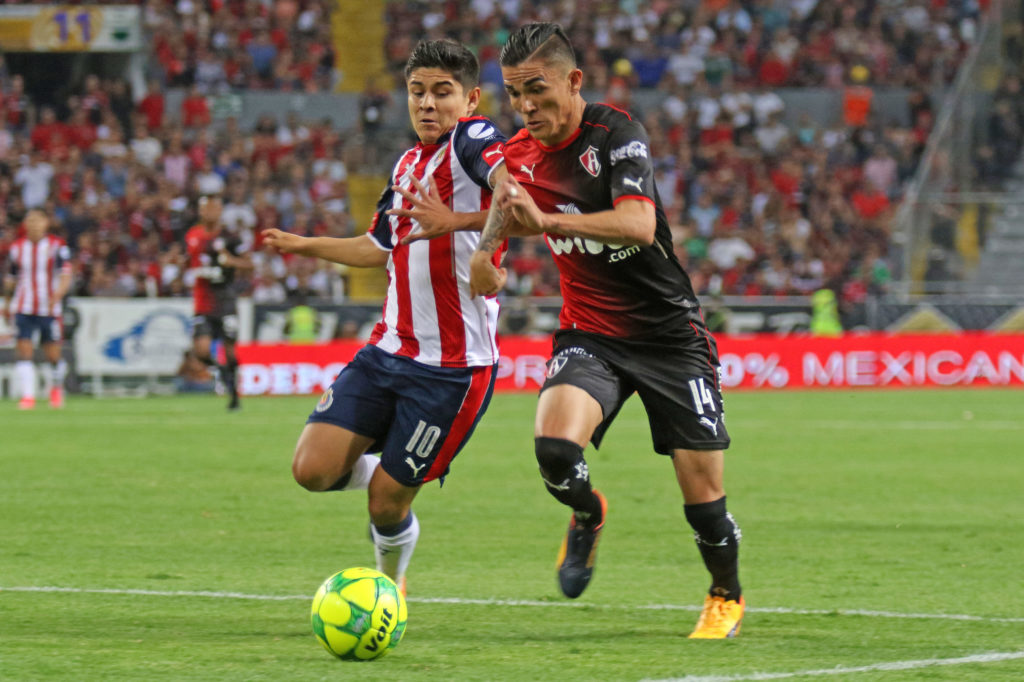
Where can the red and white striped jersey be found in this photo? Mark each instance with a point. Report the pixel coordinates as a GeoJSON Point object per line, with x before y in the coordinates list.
{"type": "Point", "coordinates": [429, 315]}
{"type": "Point", "coordinates": [37, 265]}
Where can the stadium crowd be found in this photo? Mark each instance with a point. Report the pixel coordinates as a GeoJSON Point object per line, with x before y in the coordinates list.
{"type": "Point", "coordinates": [283, 45]}
{"type": "Point", "coordinates": [758, 207]}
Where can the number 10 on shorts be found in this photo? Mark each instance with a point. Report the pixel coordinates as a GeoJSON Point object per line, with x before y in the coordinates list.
{"type": "Point", "coordinates": [423, 439]}
{"type": "Point", "coordinates": [701, 396]}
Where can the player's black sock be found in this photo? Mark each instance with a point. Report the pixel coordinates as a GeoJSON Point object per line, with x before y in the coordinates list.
{"type": "Point", "coordinates": [231, 376]}
{"type": "Point", "coordinates": [229, 373]}
{"type": "Point", "coordinates": [718, 539]}
{"type": "Point", "coordinates": [566, 477]}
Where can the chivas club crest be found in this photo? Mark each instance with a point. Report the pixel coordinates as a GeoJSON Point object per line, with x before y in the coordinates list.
{"type": "Point", "coordinates": [590, 162]}
{"type": "Point", "coordinates": [326, 400]}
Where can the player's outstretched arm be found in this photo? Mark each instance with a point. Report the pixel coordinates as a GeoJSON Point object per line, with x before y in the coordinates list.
{"type": "Point", "coordinates": [230, 260]}
{"type": "Point", "coordinates": [359, 252]}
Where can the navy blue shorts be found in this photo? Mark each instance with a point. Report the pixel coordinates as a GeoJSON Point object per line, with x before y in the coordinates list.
{"type": "Point", "coordinates": [419, 416]}
{"type": "Point", "coordinates": [48, 326]}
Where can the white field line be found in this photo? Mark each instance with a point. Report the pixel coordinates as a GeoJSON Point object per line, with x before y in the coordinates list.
{"type": "Point", "coordinates": [904, 425]}
{"type": "Point", "coordinates": [846, 670]}
{"type": "Point", "coordinates": [461, 601]}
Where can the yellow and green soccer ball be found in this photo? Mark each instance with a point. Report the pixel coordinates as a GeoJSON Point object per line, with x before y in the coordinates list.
{"type": "Point", "coordinates": [359, 614]}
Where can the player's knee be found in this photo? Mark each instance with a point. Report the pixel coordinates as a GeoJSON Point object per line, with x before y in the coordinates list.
{"type": "Point", "coordinates": [306, 472]}
{"type": "Point", "coordinates": [557, 457]}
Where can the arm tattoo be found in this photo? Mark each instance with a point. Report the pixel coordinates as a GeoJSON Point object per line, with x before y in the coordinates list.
{"type": "Point", "coordinates": [494, 231]}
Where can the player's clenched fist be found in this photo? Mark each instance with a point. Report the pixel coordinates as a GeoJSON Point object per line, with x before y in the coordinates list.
{"type": "Point", "coordinates": [485, 279]}
{"type": "Point", "coordinates": [282, 241]}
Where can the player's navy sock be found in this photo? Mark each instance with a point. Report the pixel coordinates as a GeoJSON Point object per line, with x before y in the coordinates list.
{"type": "Point", "coordinates": [718, 539]}
{"type": "Point", "coordinates": [394, 545]}
{"type": "Point", "coordinates": [567, 478]}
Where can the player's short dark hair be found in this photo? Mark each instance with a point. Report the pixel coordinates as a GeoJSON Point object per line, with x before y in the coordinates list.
{"type": "Point", "coordinates": [447, 55]}
{"type": "Point", "coordinates": [546, 41]}
{"type": "Point", "coordinates": [206, 198]}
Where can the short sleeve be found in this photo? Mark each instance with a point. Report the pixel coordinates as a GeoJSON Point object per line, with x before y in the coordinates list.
{"type": "Point", "coordinates": [632, 174]}
{"type": "Point", "coordinates": [63, 255]}
{"type": "Point", "coordinates": [380, 230]}
{"type": "Point", "coordinates": [480, 148]}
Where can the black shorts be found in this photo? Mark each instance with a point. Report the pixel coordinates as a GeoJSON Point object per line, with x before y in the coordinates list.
{"type": "Point", "coordinates": [678, 386]}
{"type": "Point", "coordinates": [220, 327]}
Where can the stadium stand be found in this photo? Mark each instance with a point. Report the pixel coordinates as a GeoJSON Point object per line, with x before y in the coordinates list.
{"type": "Point", "coordinates": [762, 201]}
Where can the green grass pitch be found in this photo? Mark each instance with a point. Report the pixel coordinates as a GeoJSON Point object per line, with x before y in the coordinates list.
{"type": "Point", "coordinates": [883, 539]}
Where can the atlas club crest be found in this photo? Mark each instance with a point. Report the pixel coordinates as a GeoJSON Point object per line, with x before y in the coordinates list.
{"type": "Point", "coordinates": [590, 162]}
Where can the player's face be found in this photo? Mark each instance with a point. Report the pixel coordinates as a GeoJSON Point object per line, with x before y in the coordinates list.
{"type": "Point", "coordinates": [436, 102]}
{"type": "Point", "coordinates": [545, 95]}
{"type": "Point", "coordinates": [209, 213]}
{"type": "Point", "coordinates": [36, 223]}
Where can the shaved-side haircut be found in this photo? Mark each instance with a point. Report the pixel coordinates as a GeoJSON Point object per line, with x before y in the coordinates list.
{"type": "Point", "coordinates": [545, 41]}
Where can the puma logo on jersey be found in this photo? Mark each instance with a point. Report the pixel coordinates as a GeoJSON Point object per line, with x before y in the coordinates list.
{"type": "Point", "coordinates": [635, 183]}
{"type": "Point", "coordinates": [528, 171]}
{"type": "Point", "coordinates": [492, 153]}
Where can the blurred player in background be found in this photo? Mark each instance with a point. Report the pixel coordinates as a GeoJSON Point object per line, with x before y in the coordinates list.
{"type": "Point", "coordinates": [215, 255]}
{"type": "Point", "coordinates": [416, 392]}
{"type": "Point", "coordinates": [630, 320]}
{"type": "Point", "coordinates": [39, 278]}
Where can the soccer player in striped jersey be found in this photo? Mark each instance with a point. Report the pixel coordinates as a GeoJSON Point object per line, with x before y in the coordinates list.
{"type": "Point", "coordinates": [39, 278]}
{"type": "Point", "coordinates": [417, 390]}
{"type": "Point", "coordinates": [581, 174]}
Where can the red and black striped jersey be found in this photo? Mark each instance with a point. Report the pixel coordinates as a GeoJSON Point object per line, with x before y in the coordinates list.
{"type": "Point", "coordinates": [633, 292]}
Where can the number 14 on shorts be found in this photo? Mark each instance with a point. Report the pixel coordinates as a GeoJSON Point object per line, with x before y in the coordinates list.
{"type": "Point", "coordinates": [703, 399]}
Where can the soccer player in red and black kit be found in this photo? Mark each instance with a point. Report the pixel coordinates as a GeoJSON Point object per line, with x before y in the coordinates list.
{"type": "Point", "coordinates": [581, 174]}
{"type": "Point", "coordinates": [214, 257]}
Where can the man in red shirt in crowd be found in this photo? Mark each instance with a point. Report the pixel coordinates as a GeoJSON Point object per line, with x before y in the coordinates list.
{"type": "Point", "coordinates": [195, 111]}
{"type": "Point", "coordinates": [152, 106]}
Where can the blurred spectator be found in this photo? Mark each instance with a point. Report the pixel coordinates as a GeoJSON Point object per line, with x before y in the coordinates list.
{"type": "Point", "coordinates": [193, 375]}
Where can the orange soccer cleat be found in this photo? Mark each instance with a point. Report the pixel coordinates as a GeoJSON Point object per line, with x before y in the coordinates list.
{"type": "Point", "coordinates": [719, 619]}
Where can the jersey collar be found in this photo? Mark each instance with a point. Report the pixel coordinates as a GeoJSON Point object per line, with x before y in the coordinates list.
{"type": "Point", "coordinates": [443, 140]}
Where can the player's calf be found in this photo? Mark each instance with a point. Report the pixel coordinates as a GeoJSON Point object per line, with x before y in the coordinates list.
{"type": "Point", "coordinates": [718, 539]}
